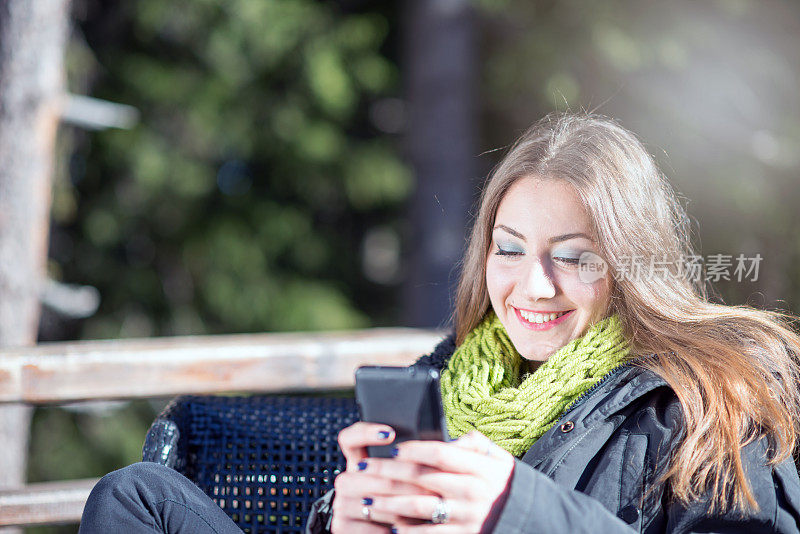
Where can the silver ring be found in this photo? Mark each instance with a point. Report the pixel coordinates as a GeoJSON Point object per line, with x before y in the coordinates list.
{"type": "Point", "coordinates": [441, 514]}
{"type": "Point", "coordinates": [365, 512]}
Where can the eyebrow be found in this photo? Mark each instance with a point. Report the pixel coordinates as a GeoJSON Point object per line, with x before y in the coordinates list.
{"type": "Point", "coordinates": [555, 239]}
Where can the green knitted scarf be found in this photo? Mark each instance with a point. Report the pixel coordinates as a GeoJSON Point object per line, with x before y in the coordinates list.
{"type": "Point", "coordinates": [482, 388]}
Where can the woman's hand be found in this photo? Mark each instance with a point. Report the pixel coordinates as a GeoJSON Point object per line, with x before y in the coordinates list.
{"type": "Point", "coordinates": [469, 474]}
{"type": "Point", "coordinates": [359, 482]}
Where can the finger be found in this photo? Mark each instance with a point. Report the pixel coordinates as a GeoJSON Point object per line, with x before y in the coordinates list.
{"type": "Point", "coordinates": [354, 439]}
{"type": "Point", "coordinates": [409, 521]}
{"type": "Point", "coordinates": [355, 509]}
{"type": "Point", "coordinates": [396, 469]}
{"type": "Point", "coordinates": [423, 506]}
{"type": "Point", "coordinates": [453, 485]}
{"type": "Point", "coordinates": [358, 484]}
{"type": "Point", "coordinates": [426, 480]}
{"type": "Point", "coordinates": [344, 525]}
{"type": "Point", "coordinates": [447, 457]}
{"type": "Point", "coordinates": [477, 442]}
{"type": "Point", "coordinates": [447, 528]}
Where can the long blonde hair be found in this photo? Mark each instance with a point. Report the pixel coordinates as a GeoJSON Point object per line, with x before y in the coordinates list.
{"type": "Point", "coordinates": [733, 368]}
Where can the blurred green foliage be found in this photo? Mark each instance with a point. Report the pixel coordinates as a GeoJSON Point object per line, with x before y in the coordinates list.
{"type": "Point", "coordinates": [240, 199]}
{"type": "Point", "coordinates": [103, 430]}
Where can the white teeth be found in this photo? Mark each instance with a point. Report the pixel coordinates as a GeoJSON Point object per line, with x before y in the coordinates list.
{"type": "Point", "coordinates": [539, 317]}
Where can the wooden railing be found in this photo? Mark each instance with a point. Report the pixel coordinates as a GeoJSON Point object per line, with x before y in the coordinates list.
{"type": "Point", "coordinates": [164, 367]}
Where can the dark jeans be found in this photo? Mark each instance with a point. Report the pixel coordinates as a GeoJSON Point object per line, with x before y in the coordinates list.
{"type": "Point", "coordinates": [149, 497]}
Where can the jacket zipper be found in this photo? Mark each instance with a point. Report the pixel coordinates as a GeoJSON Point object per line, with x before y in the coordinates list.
{"type": "Point", "coordinates": [583, 396]}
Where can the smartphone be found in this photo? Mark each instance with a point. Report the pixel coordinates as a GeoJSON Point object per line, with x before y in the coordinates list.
{"type": "Point", "coordinates": [407, 399]}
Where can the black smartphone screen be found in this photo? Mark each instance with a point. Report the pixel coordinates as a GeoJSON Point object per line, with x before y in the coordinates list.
{"type": "Point", "coordinates": [406, 398]}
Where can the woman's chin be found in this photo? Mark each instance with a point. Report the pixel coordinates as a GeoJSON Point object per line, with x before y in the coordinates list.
{"type": "Point", "coordinates": [535, 350]}
{"type": "Point", "coordinates": [537, 355]}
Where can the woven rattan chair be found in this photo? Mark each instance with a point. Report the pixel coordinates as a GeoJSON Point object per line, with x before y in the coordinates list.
{"type": "Point", "coordinates": [264, 460]}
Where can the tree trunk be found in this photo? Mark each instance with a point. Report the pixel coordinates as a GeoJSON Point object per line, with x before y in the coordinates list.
{"type": "Point", "coordinates": [32, 41]}
{"type": "Point", "coordinates": [439, 69]}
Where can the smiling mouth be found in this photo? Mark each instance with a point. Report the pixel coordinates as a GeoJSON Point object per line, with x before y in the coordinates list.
{"type": "Point", "coordinates": [541, 318]}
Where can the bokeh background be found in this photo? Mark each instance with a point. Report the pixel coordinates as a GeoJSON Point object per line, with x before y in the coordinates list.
{"type": "Point", "coordinates": [293, 165]}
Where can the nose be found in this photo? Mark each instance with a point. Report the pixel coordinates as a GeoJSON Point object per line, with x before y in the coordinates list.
{"type": "Point", "coordinates": [538, 283]}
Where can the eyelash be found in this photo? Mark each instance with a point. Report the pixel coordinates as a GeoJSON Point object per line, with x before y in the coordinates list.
{"type": "Point", "coordinates": [569, 261]}
{"type": "Point", "coordinates": [501, 252]}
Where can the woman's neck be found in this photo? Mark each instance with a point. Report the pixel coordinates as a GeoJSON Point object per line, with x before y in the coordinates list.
{"type": "Point", "coordinates": [533, 365]}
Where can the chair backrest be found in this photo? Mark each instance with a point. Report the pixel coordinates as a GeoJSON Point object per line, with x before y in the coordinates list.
{"type": "Point", "coordinates": [264, 460]}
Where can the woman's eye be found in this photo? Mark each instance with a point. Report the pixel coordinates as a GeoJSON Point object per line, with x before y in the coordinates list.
{"type": "Point", "coordinates": [503, 252]}
{"type": "Point", "coordinates": [570, 262]}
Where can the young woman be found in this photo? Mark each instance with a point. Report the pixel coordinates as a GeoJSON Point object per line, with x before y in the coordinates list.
{"type": "Point", "coordinates": [594, 386]}
{"type": "Point", "coordinates": [590, 383]}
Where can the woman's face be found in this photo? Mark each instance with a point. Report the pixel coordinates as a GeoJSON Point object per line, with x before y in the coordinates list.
{"type": "Point", "coordinates": [532, 268]}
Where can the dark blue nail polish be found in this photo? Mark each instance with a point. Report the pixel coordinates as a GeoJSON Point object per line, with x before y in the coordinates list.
{"type": "Point", "coordinates": [394, 530]}
{"type": "Point", "coordinates": [362, 466]}
{"type": "Point", "coordinates": [383, 434]}
{"type": "Point", "coordinates": [366, 501]}
{"type": "Point", "coordinates": [395, 451]}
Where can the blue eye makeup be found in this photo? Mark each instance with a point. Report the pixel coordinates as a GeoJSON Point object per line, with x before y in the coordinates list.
{"type": "Point", "coordinates": [569, 258]}
{"type": "Point", "coordinates": [509, 249]}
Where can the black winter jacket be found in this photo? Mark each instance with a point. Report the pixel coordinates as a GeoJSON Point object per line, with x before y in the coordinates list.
{"type": "Point", "coordinates": [589, 472]}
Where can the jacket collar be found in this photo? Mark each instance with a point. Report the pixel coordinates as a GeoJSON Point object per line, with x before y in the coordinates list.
{"type": "Point", "coordinates": [619, 389]}
{"type": "Point", "coordinates": [594, 412]}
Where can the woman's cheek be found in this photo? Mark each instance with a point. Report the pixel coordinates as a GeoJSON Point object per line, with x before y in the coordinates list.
{"type": "Point", "coordinates": [593, 296]}
{"type": "Point", "coordinates": [500, 279]}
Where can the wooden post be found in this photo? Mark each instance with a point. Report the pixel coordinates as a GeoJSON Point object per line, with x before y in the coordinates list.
{"type": "Point", "coordinates": [32, 42]}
